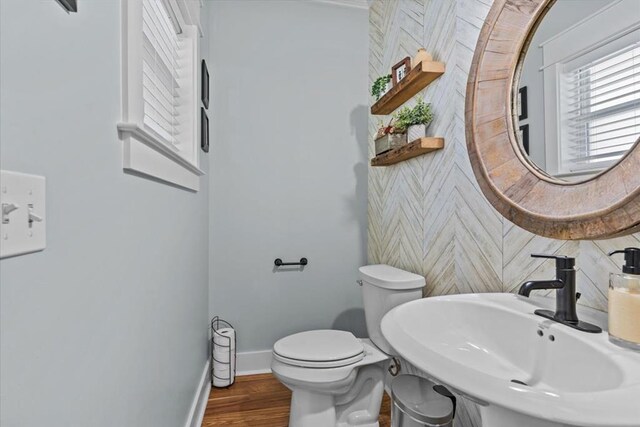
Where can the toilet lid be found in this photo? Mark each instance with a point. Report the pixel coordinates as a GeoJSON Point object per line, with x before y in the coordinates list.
{"type": "Point", "coordinates": [321, 348]}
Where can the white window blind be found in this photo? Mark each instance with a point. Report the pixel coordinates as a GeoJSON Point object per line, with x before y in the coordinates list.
{"type": "Point", "coordinates": [160, 64]}
{"type": "Point", "coordinates": [602, 110]}
{"type": "Point", "coordinates": [161, 73]}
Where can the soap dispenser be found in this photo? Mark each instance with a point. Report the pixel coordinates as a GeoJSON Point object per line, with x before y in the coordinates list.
{"type": "Point", "coordinates": [624, 301]}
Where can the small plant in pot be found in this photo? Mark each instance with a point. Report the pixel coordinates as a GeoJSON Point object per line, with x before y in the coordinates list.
{"type": "Point", "coordinates": [381, 86]}
{"type": "Point", "coordinates": [414, 121]}
{"type": "Point", "coordinates": [387, 138]}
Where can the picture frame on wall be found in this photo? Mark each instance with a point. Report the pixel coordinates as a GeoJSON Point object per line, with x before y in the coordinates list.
{"type": "Point", "coordinates": [524, 137]}
{"type": "Point", "coordinates": [400, 70]}
{"type": "Point", "coordinates": [204, 130]}
{"type": "Point", "coordinates": [523, 112]}
{"type": "Point", "coordinates": [204, 96]}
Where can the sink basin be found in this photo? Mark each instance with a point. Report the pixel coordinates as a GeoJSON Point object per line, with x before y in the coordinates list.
{"type": "Point", "coordinates": [494, 350]}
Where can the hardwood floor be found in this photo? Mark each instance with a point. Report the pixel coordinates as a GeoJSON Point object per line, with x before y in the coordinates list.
{"type": "Point", "coordinates": [259, 401]}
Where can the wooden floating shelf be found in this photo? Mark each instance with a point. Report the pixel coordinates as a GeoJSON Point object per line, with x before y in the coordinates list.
{"type": "Point", "coordinates": [417, 79]}
{"type": "Point", "coordinates": [408, 151]}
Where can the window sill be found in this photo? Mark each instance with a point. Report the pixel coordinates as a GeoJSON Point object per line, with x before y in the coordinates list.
{"type": "Point", "coordinates": [145, 154]}
{"type": "Point", "coordinates": [148, 139]}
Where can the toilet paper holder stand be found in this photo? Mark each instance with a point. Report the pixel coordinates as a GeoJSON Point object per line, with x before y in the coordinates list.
{"type": "Point", "coordinates": [218, 340]}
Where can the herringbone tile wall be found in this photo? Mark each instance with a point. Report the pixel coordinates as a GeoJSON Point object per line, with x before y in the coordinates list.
{"type": "Point", "coordinates": [428, 215]}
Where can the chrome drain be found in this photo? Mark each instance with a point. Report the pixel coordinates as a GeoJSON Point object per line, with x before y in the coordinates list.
{"type": "Point", "coordinates": [519, 382]}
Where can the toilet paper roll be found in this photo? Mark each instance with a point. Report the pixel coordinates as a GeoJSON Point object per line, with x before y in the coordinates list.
{"type": "Point", "coordinates": [224, 373]}
{"type": "Point", "coordinates": [225, 337]}
{"type": "Point", "coordinates": [222, 383]}
{"type": "Point", "coordinates": [223, 354]}
{"type": "Point", "coordinates": [224, 357]}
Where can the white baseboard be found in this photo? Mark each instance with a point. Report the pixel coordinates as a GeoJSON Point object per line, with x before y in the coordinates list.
{"type": "Point", "coordinates": [253, 362]}
{"type": "Point", "coordinates": [199, 404]}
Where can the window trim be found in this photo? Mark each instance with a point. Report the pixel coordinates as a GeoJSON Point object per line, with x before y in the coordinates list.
{"type": "Point", "coordinates": [143, 152]}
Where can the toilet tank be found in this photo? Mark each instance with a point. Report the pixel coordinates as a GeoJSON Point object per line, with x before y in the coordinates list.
{"type": "Point", "coordinates": [383, 288]}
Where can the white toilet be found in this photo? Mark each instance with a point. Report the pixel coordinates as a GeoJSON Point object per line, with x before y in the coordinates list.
{"type": "Point", "coordinates": [336, 378]}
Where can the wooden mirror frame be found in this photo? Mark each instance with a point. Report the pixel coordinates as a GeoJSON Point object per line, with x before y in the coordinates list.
{"type": "Point", "coordinates": [607, 205]}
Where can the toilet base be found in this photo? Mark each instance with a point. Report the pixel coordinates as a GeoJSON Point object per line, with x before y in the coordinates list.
{"type": "Point", "coordinates": [347, 396]}
{"type": "Point", "coordinates": [311, 409]}
{"type": "Point", "coordinates": [357, 406]}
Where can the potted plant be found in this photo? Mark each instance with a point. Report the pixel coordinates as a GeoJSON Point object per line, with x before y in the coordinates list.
{"type": "Point", "coordinates": [388, 138]}
{"type": "Point", "coordinates": [414, 121]}
{"type": "Point", "coordinates": [381, 86]}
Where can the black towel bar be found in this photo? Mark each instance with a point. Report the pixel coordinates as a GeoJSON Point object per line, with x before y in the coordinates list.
{"type": "Point", "coordinates": [278, 262]}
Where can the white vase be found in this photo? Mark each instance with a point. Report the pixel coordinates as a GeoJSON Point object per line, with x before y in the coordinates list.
{"type": "Point", "coordinates": [416, 132]}
{"type": "Point", "coordinates": [387, 88]}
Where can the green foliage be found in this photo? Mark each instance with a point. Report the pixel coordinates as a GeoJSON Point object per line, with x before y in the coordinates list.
{"type": "Point", "coordinates": [421, 114]}
{"type": "Point", "coordinates": [379, 85]}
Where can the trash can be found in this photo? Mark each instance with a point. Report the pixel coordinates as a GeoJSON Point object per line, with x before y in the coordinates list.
{"type": "Point", "coordinates": [418, 402]}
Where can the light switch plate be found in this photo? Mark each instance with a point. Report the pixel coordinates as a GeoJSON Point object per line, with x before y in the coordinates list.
{"type": "Point", "coordinates": [22, 204]}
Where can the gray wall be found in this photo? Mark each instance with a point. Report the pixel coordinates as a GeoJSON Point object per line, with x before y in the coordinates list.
{"type": "Point", "coordinates": [288, 166]}
{"type": "Point", "coordinates": [107, 326]}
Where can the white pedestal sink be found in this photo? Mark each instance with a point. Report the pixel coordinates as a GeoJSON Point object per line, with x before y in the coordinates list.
{"type": "Point", "coordinates": [525, 370]}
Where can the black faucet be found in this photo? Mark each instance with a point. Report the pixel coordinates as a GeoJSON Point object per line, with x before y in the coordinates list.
{"type": "Point", "coordinates": [566, 297]}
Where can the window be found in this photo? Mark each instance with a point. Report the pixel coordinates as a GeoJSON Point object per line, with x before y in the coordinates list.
{"type": "Point", "coordinates": [591, 88]}
{"type": "Point", "coordinates": [601, 110]}
{"type": "Point", "coordinates": [160, 73]}
{"type": "Point", "coordinates": [160, 91]}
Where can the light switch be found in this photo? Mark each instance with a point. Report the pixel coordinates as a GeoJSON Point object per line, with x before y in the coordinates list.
{"type": "Point", "coordinates": [23, 226]}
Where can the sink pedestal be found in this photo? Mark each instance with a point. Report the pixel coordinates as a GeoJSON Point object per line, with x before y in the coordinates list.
{"type": "Point", "coordinates": [496, 416]}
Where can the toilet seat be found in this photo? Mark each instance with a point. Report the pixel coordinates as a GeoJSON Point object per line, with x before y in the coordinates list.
{"type": "Point", "coordinates": [311, 364]}
{"type": "Point", "coordinates": [319, 349]}
{"type": "Point", "coordinates": [326, 377]}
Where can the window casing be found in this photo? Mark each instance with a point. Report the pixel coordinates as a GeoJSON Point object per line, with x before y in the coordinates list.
{"type": "Point", "coordinates": [159, 126]}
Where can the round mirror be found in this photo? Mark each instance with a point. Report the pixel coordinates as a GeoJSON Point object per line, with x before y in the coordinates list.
{"type": "Point", "coordinates": [583, 181]}
{"type": "Point", "coordinates": [577, 88]}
